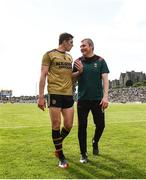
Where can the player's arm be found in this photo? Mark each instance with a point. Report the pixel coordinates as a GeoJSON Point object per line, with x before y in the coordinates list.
{"type": "Point", "coordinates": [104, 101]}
{"type": "Point", "coordinates": [78, 68]}
{"type": "Point", "coordinates": [41, 99]}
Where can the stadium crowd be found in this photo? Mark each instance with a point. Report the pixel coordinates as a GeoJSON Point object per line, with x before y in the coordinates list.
{"type": "Point", "coordinates": [20, 99]}
{"type": "Point", "coordinates": [116, 95]}
{"type": "Point", "coordinates": [130, 94]}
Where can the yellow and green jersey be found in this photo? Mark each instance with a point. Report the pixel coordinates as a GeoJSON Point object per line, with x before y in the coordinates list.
{"type": "Point", "coordinates": [59, 73]}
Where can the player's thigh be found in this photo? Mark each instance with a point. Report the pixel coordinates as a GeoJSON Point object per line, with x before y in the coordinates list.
{"type": "Point", "coordinates": [55, 115]}
{"type": "Point", "coordinates": [68, 114]}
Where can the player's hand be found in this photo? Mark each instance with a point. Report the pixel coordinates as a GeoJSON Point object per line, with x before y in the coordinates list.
{"type": "Point", "coordinates": [79, 65]}
{"type": "Point", "coordinates": [41, 103]}
{"type": "Point", "coordinates": [104, 103]}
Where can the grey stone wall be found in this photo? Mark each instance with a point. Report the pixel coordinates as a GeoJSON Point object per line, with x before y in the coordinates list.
{"type": "Point", "coordinates": [131, 76]}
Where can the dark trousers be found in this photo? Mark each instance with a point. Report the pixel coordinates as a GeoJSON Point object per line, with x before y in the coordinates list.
{"type": "Point", "coordinates": [83, 109]}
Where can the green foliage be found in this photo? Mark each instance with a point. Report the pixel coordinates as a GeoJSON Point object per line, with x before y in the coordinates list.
{"type": "Point", "coordinates": [138, 84]}
{"type": "Point", "coordinates": [144, 83]}
{"type": "Point", "coordinates": [27, 151]}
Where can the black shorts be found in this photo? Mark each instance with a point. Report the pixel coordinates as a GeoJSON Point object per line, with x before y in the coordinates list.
{"type": "Point", "coordinates": [61, 101]}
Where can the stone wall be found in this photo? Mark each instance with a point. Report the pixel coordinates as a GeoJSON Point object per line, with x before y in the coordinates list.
{"type": "Point", "coordinates": [132, 77]}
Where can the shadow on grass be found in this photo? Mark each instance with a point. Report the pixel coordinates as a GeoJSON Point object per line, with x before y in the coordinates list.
{"type": "Point", "coordinates": [112, 169]}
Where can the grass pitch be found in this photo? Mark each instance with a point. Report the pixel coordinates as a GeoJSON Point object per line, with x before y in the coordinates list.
{"type": "Point", "coordinates": [27, 151]}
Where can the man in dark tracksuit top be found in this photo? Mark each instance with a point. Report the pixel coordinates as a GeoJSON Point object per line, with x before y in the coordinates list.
{"type": "Point", "coordinates": [92, 76]}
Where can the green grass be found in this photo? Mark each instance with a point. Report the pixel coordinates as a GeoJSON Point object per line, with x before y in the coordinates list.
{"type": "Point", "coordinates": [27, 151]}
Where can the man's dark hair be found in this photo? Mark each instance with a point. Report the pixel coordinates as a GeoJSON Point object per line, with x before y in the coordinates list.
{"type": "Point", "coordinates": [64, 36]}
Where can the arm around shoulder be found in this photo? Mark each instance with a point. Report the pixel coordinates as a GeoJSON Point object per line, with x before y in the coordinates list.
{"type": "Point", "coordinates": [79, 67]}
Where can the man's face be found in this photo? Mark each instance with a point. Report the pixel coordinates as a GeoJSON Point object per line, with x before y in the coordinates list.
{"type": "Point", "coordinates": [85, 48]}
{"type": "Point", "coordinates": [68, 44]}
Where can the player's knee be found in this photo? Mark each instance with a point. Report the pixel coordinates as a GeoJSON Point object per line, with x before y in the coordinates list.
{"type": "Point", "coordinates": [68, 126]}
{"type": "Point", "coordinates": [56, 125]}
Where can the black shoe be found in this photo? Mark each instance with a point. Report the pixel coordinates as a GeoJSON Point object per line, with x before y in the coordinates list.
{"type": "Point", "coordinates": [95, 148]}
{"type": "Point", "coordinates": [84, 158]}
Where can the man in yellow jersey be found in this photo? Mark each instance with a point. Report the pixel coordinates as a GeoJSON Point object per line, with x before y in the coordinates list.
{"type": "Point", "coordinates": [57, 66]}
